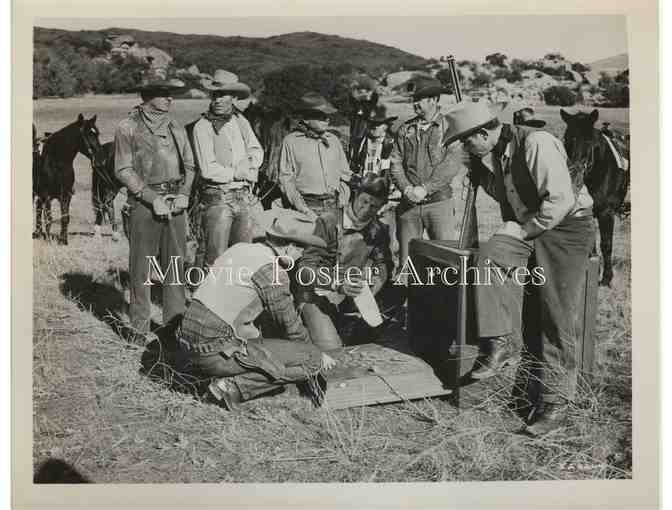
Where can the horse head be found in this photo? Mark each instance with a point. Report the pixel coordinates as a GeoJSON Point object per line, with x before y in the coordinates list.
{"type": "Point", "coordinates": [580, 132]}
{"type": "Point", "coordinates": [90, 141]}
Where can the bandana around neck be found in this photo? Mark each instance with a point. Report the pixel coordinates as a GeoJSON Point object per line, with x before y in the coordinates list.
{"type": "Point", "coordinates": [156, 120]}
{"type": "Point", "coordinates": [217, 121]}
{"type": "Point", "coordinates": [310, 133]}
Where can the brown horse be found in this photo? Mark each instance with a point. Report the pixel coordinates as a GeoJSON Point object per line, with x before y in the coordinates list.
{"type": "Point", "coordinates": [606, 180]}
{"type": "Point", "coordinates": [54, 175]}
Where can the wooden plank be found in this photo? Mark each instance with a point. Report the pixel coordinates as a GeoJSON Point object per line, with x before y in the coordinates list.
{"type": "Point", "coordinates": [590, 314]}
{"type": "Point", "coordinates": [375, 374]}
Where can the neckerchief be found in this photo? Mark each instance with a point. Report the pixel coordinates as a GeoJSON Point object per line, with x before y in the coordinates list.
{"type": "Point", "coordinates": [217, 121]}
{"type": "Point", "coordinates": [155, 120]}
{"type": "Point", "coordinates": [303, 128]}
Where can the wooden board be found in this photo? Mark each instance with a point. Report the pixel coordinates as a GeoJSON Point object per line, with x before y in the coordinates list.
{"type": "Point", "coordinates": [375, 374]}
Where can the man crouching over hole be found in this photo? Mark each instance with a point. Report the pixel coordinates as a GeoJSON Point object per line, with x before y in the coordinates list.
{"type": "Point", "coordinates": [217, 338]}
{"type": "Point", "coordinates": [357, 254]}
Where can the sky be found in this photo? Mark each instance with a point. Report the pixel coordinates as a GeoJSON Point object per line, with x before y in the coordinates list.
{"type": "Point", "coordinates": [579, 38]}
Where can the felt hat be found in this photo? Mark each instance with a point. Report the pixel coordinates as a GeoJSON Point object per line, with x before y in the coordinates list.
{"type": "Point", "coordinates": [159, 84]}
{"type": "Point", "coordinates": [224, 81]}
{"type": "Point", "coordinates": [380, 115]}
{"type": "Point", "coordinates": [313, 102]}
{"type": "Point", "coordinates": [292, 230]}
{"type": "Point", "coordinates": [429, 89]}
{"type": "Point", "coordinates": [375, 185]}
{"type": "Point", "coordinates": [525, 117]}
{"type": "Point", "coordinates": [465, 119]}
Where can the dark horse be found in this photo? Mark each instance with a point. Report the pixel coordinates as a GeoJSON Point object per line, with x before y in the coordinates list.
{"type": "Point", "coordinates": [54, 176]}
{"type": "Point", "coordinates": [606, 180]}
{"type": "Point", "coordinates": [104, 189]}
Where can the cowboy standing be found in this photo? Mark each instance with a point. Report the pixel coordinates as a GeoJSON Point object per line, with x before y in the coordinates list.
{"type": "Point", "coordinates": [228, 156]}
{"type": "Point", "coordinates": [217, 337]}
{"type": "Point", "coordinates": [357, 244]}
{"type": "Point", "coordinates": [153, 159]}
{"type": "Point", "coordinates": [548, 225]}
{"type": "Point", "coordinates": [314, 171]}
{"type": "Point", "coordinates": [362, 101]}
{"type": "Point", "coordinates": [422, 169]}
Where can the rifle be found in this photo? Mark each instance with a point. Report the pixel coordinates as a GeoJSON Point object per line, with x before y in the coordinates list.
{"type": "Point", "coordinates": [469, 228]}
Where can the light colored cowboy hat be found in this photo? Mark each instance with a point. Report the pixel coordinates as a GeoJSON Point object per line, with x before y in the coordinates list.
{"type": "Point", "coordinates": [379, 115]}
{"type": "Point", "coordinates": [224, 81]}
{"type": "Point", "coordinates": [296, 230]}
{"type": "Point", "coordinates": [465, 119]}
{"type": "Point", "coordinates": [313, 102]}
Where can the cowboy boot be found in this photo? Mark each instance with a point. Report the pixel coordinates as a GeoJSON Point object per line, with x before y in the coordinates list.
{"type": "Point", "coordinates": [495, 354]}
{"type": "Point", "coordinates": [550, 418]}
{"type": "Point", "coordinates": [225, 393]}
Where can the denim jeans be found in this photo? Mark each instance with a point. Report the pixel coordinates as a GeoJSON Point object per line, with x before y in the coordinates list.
{"type": "Point", "coordinates": [438, 218]}
{"type": "Point", "coordinates": [227, 220]}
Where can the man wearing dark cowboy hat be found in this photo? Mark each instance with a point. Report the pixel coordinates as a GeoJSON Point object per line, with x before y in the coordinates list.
{"type": "Point", "coordinates": [153, 159]}
{"type": "Point", "coordinates": [362, 101]}
{"type": "Point", "coordinates": [218, 339]}
{"type": "Point", "coordinates": [379, 142]}
{"type": "Point", "coordinates": [356, 255]}
{"type": "Point", "coordinates": [422, 169]}
{"type": "Point", "coordinates": [547, 225]}
{"type": "Point", "coordinates": [525, 117]}
{"type": "Point", "coordinates": [228, 156]}
{"type": "Point", "coordinates": [314, 171]}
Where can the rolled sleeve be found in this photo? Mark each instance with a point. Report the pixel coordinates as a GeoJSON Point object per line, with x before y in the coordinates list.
{"type": "Point", "coordinates": [547, 162]}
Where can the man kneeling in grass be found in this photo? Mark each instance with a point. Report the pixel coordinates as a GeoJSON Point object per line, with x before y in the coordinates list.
{"type": "Point", "coordinates": [217, 338]}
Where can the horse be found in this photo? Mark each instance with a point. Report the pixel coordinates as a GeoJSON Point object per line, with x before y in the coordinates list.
{"type": "Point", "coordinates": [104, 189]}
{"type": "Point", "coordinates": [54, 175]}
{"type": "Point", "coordinates": [603, 174]}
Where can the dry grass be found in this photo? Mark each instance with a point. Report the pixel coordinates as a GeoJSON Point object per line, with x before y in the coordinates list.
{"type": "Point", "coordinates": [94, 407]}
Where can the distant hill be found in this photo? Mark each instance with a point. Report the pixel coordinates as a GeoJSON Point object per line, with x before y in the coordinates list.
{"type": "Point", "coordinates": [250, 57]}
{"type": "Point", "coordinates": [614, 64]}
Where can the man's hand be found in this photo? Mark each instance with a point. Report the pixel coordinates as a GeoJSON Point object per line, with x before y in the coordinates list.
{"type": "Point", "coordinates": [352, 288]}
{"type": "Point", "coordinates": [160, 207]}
{"type": "Point", "coordinates": [180, 203]}
{"type": "Point", "coordinates": [420, 192]}
{"type": "Point", "coordinates": [327, 362]}
{"type": "Point", "coordinates": [512, 229]}
{"type": "Point", "coordinates": [242, 171]}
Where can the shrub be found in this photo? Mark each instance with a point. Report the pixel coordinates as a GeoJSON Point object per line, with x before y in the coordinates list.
{"type": "Point", "coordinates": [559, 96]}
{"type": "Point", "coordinates": [481, 79]}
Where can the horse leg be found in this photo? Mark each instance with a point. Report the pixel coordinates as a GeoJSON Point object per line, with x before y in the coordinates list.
{"type": "Point", "coordinates": [65, 218]}
{"type": "Point", "coordinates": [47, 218]}
{"type": "Point", "coordinates": [111, 215]}
{"type": "Point", "coordinates": [606, 222]}
{"type": "Point", "coordinates": [98, 210]}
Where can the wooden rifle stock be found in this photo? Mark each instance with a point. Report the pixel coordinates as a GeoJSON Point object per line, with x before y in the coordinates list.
{"type": "Point", "coordinates": [469, 228]}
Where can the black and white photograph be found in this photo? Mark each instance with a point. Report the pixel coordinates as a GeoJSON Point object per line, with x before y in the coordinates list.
{"type": "Point", "coordinates": [331, 249]}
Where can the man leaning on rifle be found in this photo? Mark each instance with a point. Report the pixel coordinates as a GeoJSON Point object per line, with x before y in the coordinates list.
{"type": "Point", "coordinates": [548, 224]}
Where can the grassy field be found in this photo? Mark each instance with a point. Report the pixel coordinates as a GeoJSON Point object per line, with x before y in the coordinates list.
{"type": "Point", "coordinates": [95, 408]}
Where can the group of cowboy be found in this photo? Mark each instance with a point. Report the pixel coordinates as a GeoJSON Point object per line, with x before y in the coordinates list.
{"type": "Point", "coordinates": [334, 225]}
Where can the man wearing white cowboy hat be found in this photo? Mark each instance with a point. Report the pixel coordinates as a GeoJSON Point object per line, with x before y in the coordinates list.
{"type": "Point", "coordinates": [548, 231]}
{"type": "Point", "coordinates": [314, 170]}
{"type": "Point", "coordinates": [422, 169]}
{"type": "Point", "coordinates": [217, 338]}
{"type": "Point", "coordinates": [228, 156]}
{"type": "Point", "coordinates": [154, 160]}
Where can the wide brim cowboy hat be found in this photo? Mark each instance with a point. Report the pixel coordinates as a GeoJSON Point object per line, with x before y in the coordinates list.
{"type": "Point", "coordinates": [313, 102]}
{"type": "Point", "coordinates": [465, 119]}
{"type": "Point", "coordinates": [291, 226]}
{"type": "Point", "coordinates": [227, 83]}
{"type": "Point", "coordinates": [428, 88]}
{"type": "Point", "coordinates": [380, 115]}
{"type": "Point", "coordinates": [161, 85]}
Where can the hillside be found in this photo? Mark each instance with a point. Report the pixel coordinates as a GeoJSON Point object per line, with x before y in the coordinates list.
{"type": "Point", "coordinates": [250, 57]}
{"type": "Point", "coordinates": [614, 64]}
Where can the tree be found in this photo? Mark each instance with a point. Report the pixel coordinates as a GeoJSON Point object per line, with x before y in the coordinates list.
{"type": "Point", "coordinates": [496, 59]}
{"type": "Point", "coordinates": [559, 96]}
{"type": "Point", "coordinates": [579, 67]}
{"type": "Point", "coordinates": [59, 80]}
{"type": "Point", "coordinates": [481, 79]}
